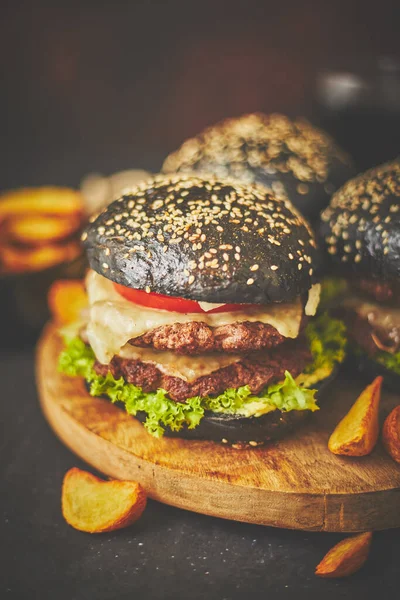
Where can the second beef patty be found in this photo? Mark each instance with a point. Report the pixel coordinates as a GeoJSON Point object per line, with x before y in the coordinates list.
{"type": "Point", "coordinates": [257, 370]}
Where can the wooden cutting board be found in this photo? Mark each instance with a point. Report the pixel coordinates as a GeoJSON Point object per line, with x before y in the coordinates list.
{"type": "Point", "coordinates": [296, 483]}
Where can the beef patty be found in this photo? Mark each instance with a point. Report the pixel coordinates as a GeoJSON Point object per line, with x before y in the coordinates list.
{"type": "Point", "coordinates": [256, 370]}
{"type": "Point", "coordinates": [198, 338]}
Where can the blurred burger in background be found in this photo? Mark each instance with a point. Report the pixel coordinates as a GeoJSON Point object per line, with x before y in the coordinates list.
{"type": "Point", "coordinates": [99, 190]}
{"type": "Point", "coordinates": [361, 234]}
{"type": "Point", "coordinates": [285, 155]}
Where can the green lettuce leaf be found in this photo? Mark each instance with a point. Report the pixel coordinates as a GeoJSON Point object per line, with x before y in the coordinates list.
{"type": "Point", "coordinates": [327, 340]}
{"type": "Point", "coordinates": [389, 361]}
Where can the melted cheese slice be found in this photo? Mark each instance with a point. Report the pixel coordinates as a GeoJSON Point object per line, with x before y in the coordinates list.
{"type": "Point", "coordinates": [188, 368]}
{"type": "Point", "coordinates": [113, 320]}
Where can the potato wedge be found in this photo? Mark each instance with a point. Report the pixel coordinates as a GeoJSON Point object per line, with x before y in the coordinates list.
{"type": "Point", "coordinates": [391, 434]}
{"type": "Point", "coordinates": [347, 557]}
{"type": "Point", "coordinates": [357, 433]}
{"type": "Point", "coordinates": [93, 505]}
{"type": "Point", "coordinates": [18, 260]}
{"type": "Point", "coordinates": [67, 299]}
{"type": "Point", "coordinates": [37, 230]}
{"type": "Point", "coordinates": [42, 200]}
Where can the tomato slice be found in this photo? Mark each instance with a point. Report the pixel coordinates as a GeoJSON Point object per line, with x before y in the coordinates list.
{"type": "Point", "coordinates": [171, 303]}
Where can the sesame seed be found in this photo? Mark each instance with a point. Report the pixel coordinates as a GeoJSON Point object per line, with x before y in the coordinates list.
{"type": "Point", "coordinates": [250, 281]}
{"type": "Point", "coordinates": [147, 289]}
{"type": "Point", "coordinates": [274, 267]}
{"type": "Point", "coordinates": [105, 266]}
{"type": "Point", "coordinates": [191, 279]}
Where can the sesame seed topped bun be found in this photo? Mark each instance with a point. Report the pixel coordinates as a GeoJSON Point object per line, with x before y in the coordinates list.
{"type": "Point", "coordinates": [204, 239]}
{"type": "Point", "coordinates": [361, 234]}
{"type": "Point", "coordinates": [288, 156]}
{"type": "Point", "coordinates": [361, 227]}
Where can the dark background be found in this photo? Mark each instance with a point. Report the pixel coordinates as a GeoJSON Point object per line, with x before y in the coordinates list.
{"type": "Point", "coordinates": [94, 86]}
{"type": "Point", "coordinates": [112, 85]}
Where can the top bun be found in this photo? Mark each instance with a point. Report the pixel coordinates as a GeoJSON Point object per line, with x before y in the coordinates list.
{"type": "Point", "coordinates": [288, 155]}
{"type": "Point", "coordinates": [361, 227]}
{"type": "Point", "coordinates": [205, 239]}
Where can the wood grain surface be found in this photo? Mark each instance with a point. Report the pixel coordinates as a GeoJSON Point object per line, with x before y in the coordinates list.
{"type": "Point", "coordinates": [295, 483]}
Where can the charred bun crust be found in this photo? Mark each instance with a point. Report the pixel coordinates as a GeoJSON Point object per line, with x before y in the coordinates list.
{"type": "Point", "coordinates": [360, 229]}
{"type": "Point", "coordinates": [204, 239]}
{"type": "Point", "coordinates": [273, 150]}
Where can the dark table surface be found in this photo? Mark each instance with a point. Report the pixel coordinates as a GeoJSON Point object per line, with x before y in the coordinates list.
{"type": "Point", "coordinates": [169, 553]}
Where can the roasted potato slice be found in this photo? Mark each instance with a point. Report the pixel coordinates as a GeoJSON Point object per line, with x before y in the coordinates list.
{"type": "Point", "coordinates": [93, 505]}
{"type": "Point", "coordinates": [347, 557]}
{"type": "Point", "coordinates": [37, 230]}
{"type": "Point", "coordinates": [357, 433]}
{"type": "Point", "coordinates": [391, 434]}
{"type": "Point", "coordinates": [67, 299]}
{"type": "Point", "coordinates": [40, 201]}
{"type": "Point", "coordinates": [18, 260]}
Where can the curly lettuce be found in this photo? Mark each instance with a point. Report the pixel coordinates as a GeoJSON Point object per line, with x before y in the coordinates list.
{"type": "Point", "coordinates": [327, 341]}
{"type": "Point", "coordinates": [389, 361]}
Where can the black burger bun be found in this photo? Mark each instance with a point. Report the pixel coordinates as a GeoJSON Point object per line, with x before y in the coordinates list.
{"type": "Point", "coordinates": [360, 230]}
{"type": "Point", "coordinates": [288, 155]}
{"type": "Point", "coordinates": [204, 239]}
{"type": "Point", "coordinates": [247, 431]}
{"type": "Point", "coordinates": [370, 368]}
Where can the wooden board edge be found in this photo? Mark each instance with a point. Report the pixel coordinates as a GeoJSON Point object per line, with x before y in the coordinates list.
{"type": "Point", "coordinates": [252, 505]}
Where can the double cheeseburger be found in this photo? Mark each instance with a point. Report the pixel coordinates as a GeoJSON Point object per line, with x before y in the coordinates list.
{"type": "Point", "coordinates": [361, 233]}
{"type": "Point", "coordinates": [202, 295]}
{"type": "Point", "coordinates": [287, 156]}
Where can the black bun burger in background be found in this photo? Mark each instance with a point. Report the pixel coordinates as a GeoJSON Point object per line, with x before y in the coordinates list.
{"type": "Point", "coordinates": [202, 297]}
{"type": "Point", "coordinates": [361, 234]}
{"type": "Point", "coordinates": [285, 155]}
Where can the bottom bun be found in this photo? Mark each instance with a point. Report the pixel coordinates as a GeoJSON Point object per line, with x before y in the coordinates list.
{"type": "Point", "coordinates": [245, 431]}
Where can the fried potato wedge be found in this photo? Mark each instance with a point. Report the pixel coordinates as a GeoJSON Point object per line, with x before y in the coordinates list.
{"type": "Point", "coordinates": [37, 230]}
{"type": "Point", "coordinates": [347, 557]}
{"type": "Point", "coordinates": [357, 433]}
{"type": "Point", "coordinates": [93, 505]}
{"type": "Point", "coordinates": [67, 299]}
{"type": "Point", "coordinates": [40, 201]}
{"type": "Point", "coordinates": [391, 434]}
{"type": "Point", "coordinates": [17, 260]}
